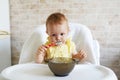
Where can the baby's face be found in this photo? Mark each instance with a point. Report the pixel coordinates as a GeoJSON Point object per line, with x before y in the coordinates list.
{"type": "Point", "coordinates": [57, 33]}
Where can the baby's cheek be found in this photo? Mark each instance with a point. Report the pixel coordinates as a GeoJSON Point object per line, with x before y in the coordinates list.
{"type": "Point", "coordinates": [53, 40]}
{"type": "Point", "coordinates": [64, 40]}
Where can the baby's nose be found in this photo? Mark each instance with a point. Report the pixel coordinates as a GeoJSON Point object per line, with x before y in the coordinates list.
{"type": "Point", "coordinates": [57, 37]}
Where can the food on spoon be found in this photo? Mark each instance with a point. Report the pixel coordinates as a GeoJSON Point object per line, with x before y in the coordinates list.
{"type": "Point", "coordinates": [53, 44]}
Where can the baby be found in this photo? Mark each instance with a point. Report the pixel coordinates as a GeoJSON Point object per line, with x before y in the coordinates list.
{"type": "Point", "coordinates": [58, 43]}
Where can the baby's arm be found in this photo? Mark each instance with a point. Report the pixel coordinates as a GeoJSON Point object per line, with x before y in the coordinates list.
{"type": "Point", "coordinates": [41, 53]}
{"type": "Point", "coordinates": [79, 55]}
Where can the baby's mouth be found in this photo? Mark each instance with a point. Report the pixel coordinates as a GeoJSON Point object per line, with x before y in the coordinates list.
{"type": "Point", "coordinates": [58, 43]}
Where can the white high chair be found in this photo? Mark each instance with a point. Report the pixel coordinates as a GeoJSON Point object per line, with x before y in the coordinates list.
{"type": "Point", "coordinates": [80, 34]}
{"type": "Point", "coordinates": [82, 37]}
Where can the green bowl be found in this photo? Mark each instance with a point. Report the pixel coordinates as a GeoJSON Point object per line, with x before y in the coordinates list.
{"type": "Point", "coordinates": [61, 66]}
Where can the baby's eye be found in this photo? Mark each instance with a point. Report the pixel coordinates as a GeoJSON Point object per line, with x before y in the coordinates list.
{"type": "Point", "coordinates": [53, 34]}
{"type": "Point", "coordinates": [62, 34]}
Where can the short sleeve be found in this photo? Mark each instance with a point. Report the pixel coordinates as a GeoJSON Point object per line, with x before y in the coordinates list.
{"type": "Point", "coordinates": [71, 46]}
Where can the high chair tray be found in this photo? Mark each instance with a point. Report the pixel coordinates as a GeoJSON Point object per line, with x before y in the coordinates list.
{"type": "Point", "coordinates": [34, 71]}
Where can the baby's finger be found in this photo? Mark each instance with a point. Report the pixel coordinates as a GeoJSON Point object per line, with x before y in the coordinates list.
{"type": "Point", "coordinates": [42, 48]}
{"type": "Point", "coordinates": [45, 47]}
{"type": "Point", "coordinates": [81, 51]}
{"type": "Point", "coordinates": [83, 55]}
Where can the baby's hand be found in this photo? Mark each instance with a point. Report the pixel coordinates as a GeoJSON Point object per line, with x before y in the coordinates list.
{"type": "Point", "coordinates": [41, 53]}
{"type": "Point", "coordinates": [42, 49]}
{"type": "Point", "coordinates": [80, 55]}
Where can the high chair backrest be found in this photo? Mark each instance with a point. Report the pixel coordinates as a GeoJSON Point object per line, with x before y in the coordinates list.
{"type": "Point", "coordinates": [80, 34]}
